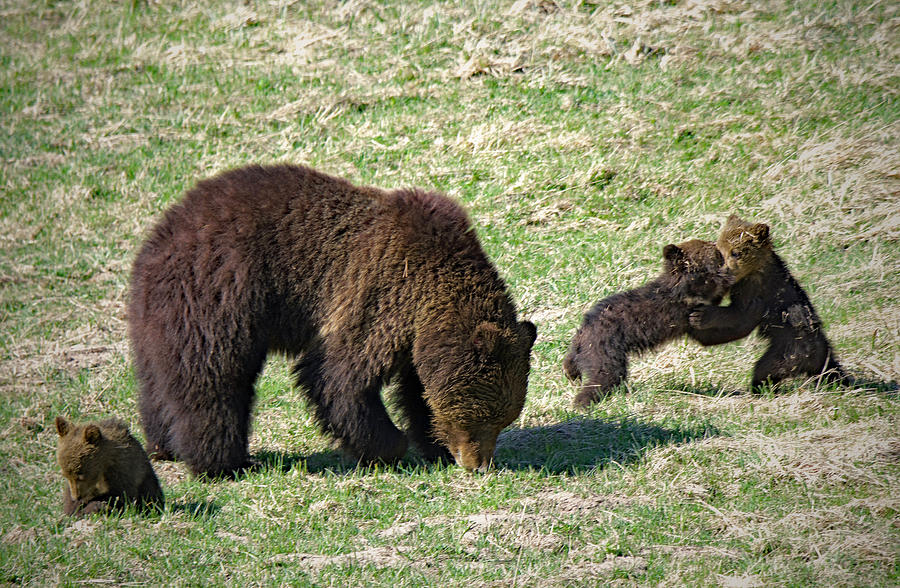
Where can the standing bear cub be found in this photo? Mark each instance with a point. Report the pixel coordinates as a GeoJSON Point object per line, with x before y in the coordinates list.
{"type": "Point", "coordinates": [105, 468]}
{"type": "Point", "coordinates": [365, 286]}
{"type": "Point", "coordinates": [766, 295]}
{"type": "Point", "coordinates": [646, 317]}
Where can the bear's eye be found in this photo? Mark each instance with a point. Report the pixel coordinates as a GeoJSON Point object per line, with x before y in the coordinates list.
{"type": "Point", "coordinates": [736, 254]}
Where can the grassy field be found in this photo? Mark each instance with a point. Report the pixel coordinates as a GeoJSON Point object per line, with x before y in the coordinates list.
{"type": "Point", "coordinates": [582, 137]}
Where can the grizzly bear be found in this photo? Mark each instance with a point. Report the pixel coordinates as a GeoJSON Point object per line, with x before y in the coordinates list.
{"type": "Point", "coordinates": [766, 295]}
{"type": "Point", "coordinates": [105, 468]}
{"type": "Point", "coordinates": [639, 320]}
{"type": "Point", "coordinates": [367, 287]}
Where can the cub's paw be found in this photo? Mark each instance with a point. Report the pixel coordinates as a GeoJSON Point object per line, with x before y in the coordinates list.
{"type": "Point", "coordinates": [701, 317]}
{"type": "Point", "coordinates": [587, 397]}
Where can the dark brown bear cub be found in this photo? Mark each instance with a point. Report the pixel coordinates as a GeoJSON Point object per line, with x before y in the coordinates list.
{"type": "Point", "coordinates": [646, 317]}
{"type": "Point", "coordinates": [766, 295]}
{"type": "Point", "coordinates": [105, 468]}
{"type": "Point", "coordinates": [366, 286]}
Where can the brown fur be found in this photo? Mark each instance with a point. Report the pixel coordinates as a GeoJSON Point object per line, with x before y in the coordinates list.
{"type": "Point", "coordinates": [105, 467]}
{"type": "Point", "coordinates": [366, 286]}
{"type": "Point", "coordinates": [766, 296]}
{"type": "Point", "coordinates": [639, 320]}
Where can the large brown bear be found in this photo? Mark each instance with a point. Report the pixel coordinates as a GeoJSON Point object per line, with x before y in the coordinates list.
{"type": "Point", "coordinates": [643, 318]}
{"type": "Point", "coordinates": [366, 286]}
{"type": "Point", "coordinates": [766, 295]}
{"type": "Point", "coordinates": [105, 468]}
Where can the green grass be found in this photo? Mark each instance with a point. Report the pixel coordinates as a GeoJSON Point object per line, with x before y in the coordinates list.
{"type": "Point", "coordinates": [582, 137]}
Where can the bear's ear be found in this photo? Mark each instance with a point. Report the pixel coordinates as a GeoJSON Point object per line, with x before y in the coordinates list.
{"type": "Point", "coordinates": [732, 222]}
{"type": "Point", "coordinates": [92, 434]}
{"type": "Point", "coordinates": [530, 332]}
{"type": "Point", "coordinates": [760, 232]}
{"type": "Point", "coordinates": [62, 426]}
{"type": "Point", "coordinates": [486, 339]}
{"type": "Point", "coordinates": [673, 253]}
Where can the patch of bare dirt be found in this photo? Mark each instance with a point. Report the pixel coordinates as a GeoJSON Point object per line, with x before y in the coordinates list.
{"type": "Point", "coordinates": [503, 529]}
{"type": "Point", "coordinates": [18, 535]}
{"type": "Point", "coordinates": [568, 503]}
{"type": "Point", "coordinates": [582, 571]}
{"type": "Point", "coordinates": [693, 551]}
{"type": "Point", "coordinates": [171, 473]}
{"type": "Point", "coordinates": [742, 581]}
{"type": "Point", "coordinates": [506, 529]}
{"type": "Point", "coordinates": [378, 556]}
{"type": "Point", "coordinates": [81, 531]}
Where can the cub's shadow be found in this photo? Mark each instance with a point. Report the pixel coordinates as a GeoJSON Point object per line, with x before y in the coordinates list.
{"type": "Point", "coordinates": [195, 510]}
{"type": "Point", "coordinates": [586, 443]}
{"type": "Point", "coordinates": [859, 385]}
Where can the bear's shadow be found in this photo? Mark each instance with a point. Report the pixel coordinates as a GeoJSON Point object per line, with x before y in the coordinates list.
{"type": "Point", "coordinates": [571, 446]}
{"type": "Point", "coordinates": [331, 461]}
{"type": "Point", "coordinates": [583, 443]}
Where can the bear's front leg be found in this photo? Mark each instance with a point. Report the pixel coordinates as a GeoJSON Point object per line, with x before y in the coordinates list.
{"type": "Point", "coordinates": [419, 417]}
{"type": "Point", "coordinates": [715, 325]}
{"type": "Point", "coordinates": [348, 406]}
{"type": "Point", "coordinates": [363, 428]}
{"type": "Point", "coordinates": [77, 508]}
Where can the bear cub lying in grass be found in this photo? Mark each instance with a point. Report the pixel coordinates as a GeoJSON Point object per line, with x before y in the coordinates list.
{"type": "Point", "coordinates": [646, 317]}
{"type": "Point", "coordinates": [105, 468]}
{"type": "Point", "coordinates": [766, 295]}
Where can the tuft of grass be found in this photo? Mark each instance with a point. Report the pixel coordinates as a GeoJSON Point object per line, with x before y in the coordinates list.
{"type": "Point", "coordinates": [582, 137]}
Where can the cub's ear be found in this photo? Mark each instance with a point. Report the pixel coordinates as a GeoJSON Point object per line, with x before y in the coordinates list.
{"type": "Point", "coordinates": [673, 253]}
{"type": "Point", "coordinates": [62, 426]}
{"type": "Point", "coordinates": [486, 338]}
{"type": "Point", "coordinates": [530, 331]}
{"type": "Point", "coordinates": [92, 434]}
{"type": "Point", "coordinates": [760, 232]}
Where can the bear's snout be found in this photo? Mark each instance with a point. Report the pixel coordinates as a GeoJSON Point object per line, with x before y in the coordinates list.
{"type": "Point", "coordinates": [475, 454]}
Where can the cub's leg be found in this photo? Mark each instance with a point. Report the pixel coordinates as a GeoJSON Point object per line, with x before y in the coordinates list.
{"type": "Point", "coordinates": [601, 374]}
{"type": "Point", "coordinates": [779, 362]}
{"type": "Point", "coordinates": [798, 354]}
{"type": "Point", "coordinates": [821, 363]}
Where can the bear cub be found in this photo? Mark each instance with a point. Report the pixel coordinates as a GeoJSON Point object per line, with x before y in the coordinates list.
{"type": "Point", "coordinates": [646, 317]}
{"type": "Point", "coordinates": [767, 296]}
{"type": "Point", "coordinates": [105, 468]}
{"type": "Point", "coordinates": [365, 287]}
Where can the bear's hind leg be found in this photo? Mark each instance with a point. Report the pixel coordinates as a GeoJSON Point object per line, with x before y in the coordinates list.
{"type": "Point", "coordinates": [212, 437]}
{"type": "Point", "coordinates": [211, 423]}
{"type": "Point", "coordinates": [155, 422]}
